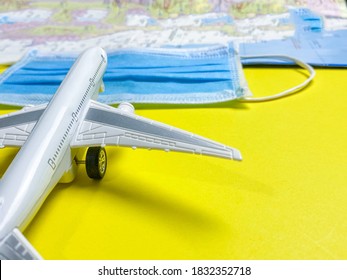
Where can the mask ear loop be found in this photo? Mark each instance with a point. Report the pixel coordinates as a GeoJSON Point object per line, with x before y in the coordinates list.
{"type": "Point", "coordinates": [288, 91]}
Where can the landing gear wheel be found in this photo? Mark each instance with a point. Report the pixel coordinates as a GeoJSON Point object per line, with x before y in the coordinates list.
{"type": "Point", "coordinates": [96, 162]}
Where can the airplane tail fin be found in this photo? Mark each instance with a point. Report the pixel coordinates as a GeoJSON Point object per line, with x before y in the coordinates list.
{"type": "Point", "coordinates": [16, 247]}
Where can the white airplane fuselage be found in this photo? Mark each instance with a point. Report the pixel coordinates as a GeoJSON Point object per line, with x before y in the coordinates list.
{"type": "Point", "coordinates": [38, 167]}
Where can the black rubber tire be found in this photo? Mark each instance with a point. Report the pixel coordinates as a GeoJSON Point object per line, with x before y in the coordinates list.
{"type": "Point", "coordinates": [96, 162]}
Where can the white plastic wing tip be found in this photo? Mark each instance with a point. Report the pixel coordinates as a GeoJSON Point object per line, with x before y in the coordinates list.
{"type": "Point", "coordinates": [236, 155]}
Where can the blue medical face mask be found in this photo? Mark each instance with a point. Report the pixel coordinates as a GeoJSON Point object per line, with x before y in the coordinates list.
{"type": "Point", "coordinates": [166, 75]}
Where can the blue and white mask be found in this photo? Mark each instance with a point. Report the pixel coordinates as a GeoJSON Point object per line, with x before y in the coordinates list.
{"type": "Point", "coordinates": [164, 75]}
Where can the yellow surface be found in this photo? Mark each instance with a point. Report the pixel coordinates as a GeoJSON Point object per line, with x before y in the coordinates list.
{"type": "Point", "coordinates": [286, 200]}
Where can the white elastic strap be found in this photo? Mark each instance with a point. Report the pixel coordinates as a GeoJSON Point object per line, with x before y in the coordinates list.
{"type": "Point", "coordinates": [288, 91]}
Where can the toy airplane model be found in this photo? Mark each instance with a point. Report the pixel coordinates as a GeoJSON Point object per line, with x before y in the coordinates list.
{"type": "Point", "coordinates": [51, 136]}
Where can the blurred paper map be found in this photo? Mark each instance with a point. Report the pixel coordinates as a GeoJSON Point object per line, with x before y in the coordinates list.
{"type": "Point", "coordinates": [72, 26]}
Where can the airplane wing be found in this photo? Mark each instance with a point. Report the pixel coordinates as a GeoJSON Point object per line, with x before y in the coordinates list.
{"type": "Point", "coordinates": [16, 127]}
{"type": "Point", "coordinates": [16, 247]}
{"type": "Point", "coordinates": [106, 125]}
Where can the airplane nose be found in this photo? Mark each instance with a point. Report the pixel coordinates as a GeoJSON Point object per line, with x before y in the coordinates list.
{"type": "Point", "coordinates": [103, 53]}
{"type": "Point", "coordinates": [95, 53]}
